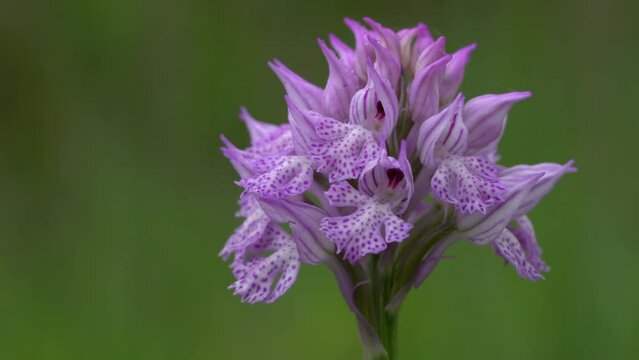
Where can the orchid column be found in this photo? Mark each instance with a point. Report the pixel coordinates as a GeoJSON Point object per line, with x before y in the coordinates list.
{"type": "Point", "coordinates": [376, 175]}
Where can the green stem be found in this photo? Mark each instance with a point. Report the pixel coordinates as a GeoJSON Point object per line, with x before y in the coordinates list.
{"type": "Point", "coordinates": [382, 288]}
{"type": "Point", "coordinates": [374, 309]}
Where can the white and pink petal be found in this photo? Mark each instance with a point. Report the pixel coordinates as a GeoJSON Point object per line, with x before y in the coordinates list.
{"type": "Point", "coordinates": [292, 175]}
{"type": "Point", "coordinates": [262, 277]}
{"type": "Point", "coordinates": [508, 246]}
{"type": "Point", "coordinates": [250, 231]}
{"type": "Point", "coordinates": [342, 194]}
{"type": "Point", "coordinates": [347, 152]}
{"type": "Point", "coordinates": [469, 183]}
{"type": "Point", "coordinates": [366, 231]}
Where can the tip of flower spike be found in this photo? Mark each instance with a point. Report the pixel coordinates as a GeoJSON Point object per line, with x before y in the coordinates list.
{"type": "Point", "coordinates": [569, 168]}
{"type": "Point", "coordinates": [350, 22]}
{"type": "Point", "coordinates": [357, 28]}
{"type": "Point", "coordinates": [278, 68]}
{"type": "Point", "coordinates": [282, 71]}
{"type": "Point", "coordinates": [470, 47]}
{"type": "Point", "coordinates": [274, 64]}
{"type": "Point", "coordinates": [372, 23]}
{"type": "Point", "coordinates": [228, 145]}
{"type": "Point", "coordinates": [328, 52]}
{"type": "Point", "coordinates": [375, 25]}
{"type": "Point", "coordinates": [511, 98]}
{"type": "Point", "coordinates": [422, 29]}
{"type": "Point", "coordinates": [245, 115]}
{"type": "Point", "coordinates": [516, 96]}
{"type": "Point", "coordinates": [337, 43]}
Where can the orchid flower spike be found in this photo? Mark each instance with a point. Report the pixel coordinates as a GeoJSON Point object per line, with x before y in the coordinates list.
{"type": "Point", "coordinates": [376, 174]}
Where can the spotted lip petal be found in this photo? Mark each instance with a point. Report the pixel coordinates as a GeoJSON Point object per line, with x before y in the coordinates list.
{"type": "Point", "coordinates": [485, 118]}
{"type": "Point", "coordinates": [525, 233]}
{"type": "Point", "coordinates": [309, 96]}
{"type": "Point", "coordinates": [469, 183]}
{"type": "Point", "coordinates": [267, 142]}
{"type": "Point", "coordinates": [360, 233]}
{"type": "Point", "coordinates": [254, 161]}
{"type": "Point", "coordinates": [347, 150]}
{"type": "Point", "coordinates": [256, 275]}
{"type": "Point", "coordinates": [250, 231]}
{"type": "Point", "coordinates": [292, 175]}
{"type": "Point", "coordinates": [510, 247]}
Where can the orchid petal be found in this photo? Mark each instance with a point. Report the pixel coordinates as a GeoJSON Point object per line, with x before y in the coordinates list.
{"type": "Point", "coordinates": [454, 74]}
{"type": "Point", "coordinates": [345, 52]}
{"type": "Point", "coordinates": [442, 134]}
{"type": "Point", "coordinates": [360, 233]}
{"type": "Point", "coordinates": [363, 49]}
{"type": "Point", "coordinates": [485, 118]}
{"type": "Point", "coordinates": [391, 181]}
{"type": "Point", "coordinates": [423, 93]}
{"type": "Point", "coordinates": [343, 194]}
{"type": "Point", "coordinates": [302, 127]}
{"type": "Point", "coordinates": [552, 174]}
{"type": "Point", "coordinates": [483, 228]}
{"type": "Point", "coordinates": [308, 95]}
{"type": "Point", "coordinates": [525, 233]}
{"type": "Point", "coordinates": [256, 275]}
{"type": "Point", "coordinates": [509, 247]}
{"type": "Point", "coordinates": [292, 175]}
{"type": "Point", "coordinates": [375, 106]}
{"type": "Point", "coordinates": [249, 231]}
{"type": "Point", "coordinates": [342, 84]}
{"type": "Point", "coordinates": [385, 63]}
{"type": "Point", "coordinates": [259, 131]}
{"type": "Point", "coordinates": [347, 152]}
{"type": "Point", "coordinates": [412, 43]}
{"type": "Point", "coordinates": [469, 183]}
{"type": "Point", "coordinates": [431, 53]}
{"type": "Point", "coordinates": [387, 36]}
{"type": "Point", "coordinates": [304, 221]}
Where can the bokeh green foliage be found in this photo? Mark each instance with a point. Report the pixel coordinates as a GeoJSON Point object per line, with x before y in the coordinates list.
{"type": "Point", "coordinates": [114, 199]}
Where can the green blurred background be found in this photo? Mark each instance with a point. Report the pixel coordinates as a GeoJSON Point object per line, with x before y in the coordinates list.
{"type": "Point", "coordinates": [114, 199]}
